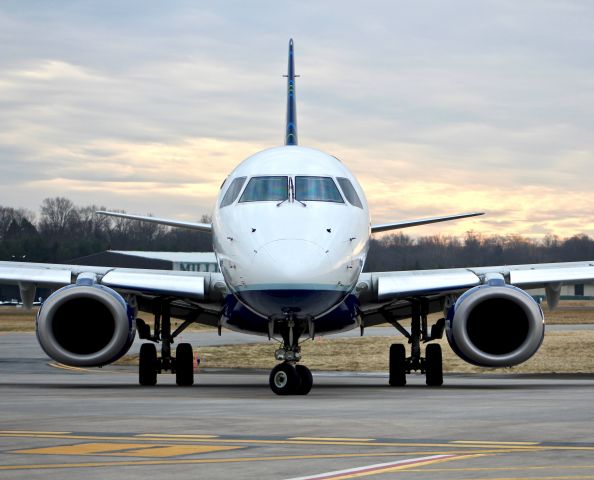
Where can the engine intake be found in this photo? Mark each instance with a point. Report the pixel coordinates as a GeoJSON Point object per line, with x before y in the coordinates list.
{"type": "Point", "coordinates": [85, 325]}
{"type": "Point", "coordinates": [495, 326]}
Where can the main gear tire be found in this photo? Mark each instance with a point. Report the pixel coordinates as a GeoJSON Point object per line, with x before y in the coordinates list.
{"type": "Point", "coordinates": [433, 365]}
{"type": "Point", "coordinates": [397, 365]}
{"type": "Point", "coordinates": [147, 365]}
{"type": "Point", "coordinates": [184, 365]}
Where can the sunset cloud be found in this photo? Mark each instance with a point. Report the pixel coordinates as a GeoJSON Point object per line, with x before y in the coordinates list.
{"type": "Point", "coordinates": [437, 107]}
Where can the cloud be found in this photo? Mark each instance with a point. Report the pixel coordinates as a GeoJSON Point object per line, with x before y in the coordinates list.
{"type": "Point", "coordinates": [437, 108]}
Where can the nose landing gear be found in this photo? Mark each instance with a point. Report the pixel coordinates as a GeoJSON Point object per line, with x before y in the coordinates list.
{"type": "Point", "coordinates": [288, 378]}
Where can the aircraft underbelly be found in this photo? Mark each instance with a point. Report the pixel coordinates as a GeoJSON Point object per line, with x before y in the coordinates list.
{"type": "Point", "coordinates": [345, 316]}
{"type": "Point", "coordinates": [300, 301]}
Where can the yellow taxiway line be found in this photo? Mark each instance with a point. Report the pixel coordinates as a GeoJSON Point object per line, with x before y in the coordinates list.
{"type": "Point", "coordinates": [175, 436]}
{"type": "Point", "coordinates": [45, 466]}
{"type": "Point", "coordinates": [333, 439]}
{"type": "Point", "coordinates": [502, 447]}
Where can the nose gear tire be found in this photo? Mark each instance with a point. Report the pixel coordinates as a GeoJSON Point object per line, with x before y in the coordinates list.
{"type": "Point", "coordinates": [306, 379]}
{"type": "Point", "coordinates": [284, 379]}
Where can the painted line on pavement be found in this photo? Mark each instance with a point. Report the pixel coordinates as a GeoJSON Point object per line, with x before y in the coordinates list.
{"type": "Point", "coordinates": [132, 463]}
{"type": "Point", "coordinates": [512, 468]}
{"type": "Point", "coordinates": [29, 432]}
{"type": "Point", "coordinates": [380, 468]}
{"type": "Point", "coordinates": [489, 442]}
{"type": "Point", "coordinates": [561, 477]}
{"type": "Point", "coordinates": [127, 449]}
{"type": "Point", "coordinates": [333, 439]}
{"type": "Point", "coordinates": [256, 441]}
{"type": "Point", "coordinates": [174, 436]}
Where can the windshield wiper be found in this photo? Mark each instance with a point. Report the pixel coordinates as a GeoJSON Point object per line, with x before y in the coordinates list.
{"type": "Point", "coordinates": [292, 189]}
{"type": "Point", "coordinates": [289, 193]}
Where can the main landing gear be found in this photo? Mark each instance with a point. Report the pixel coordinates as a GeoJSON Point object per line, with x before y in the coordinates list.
{"type": "Point", "coordinates": [288, 378]}
{"type": "Point", "coordinates": [149, 365]}
{"type": "Point", "coordinates": [431, 365]}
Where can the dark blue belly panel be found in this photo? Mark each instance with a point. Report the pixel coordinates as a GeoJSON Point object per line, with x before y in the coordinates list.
{"type": "Point", "coordinates": [310, 302]}
{"type": "Point", "coordinates": [344, 316]}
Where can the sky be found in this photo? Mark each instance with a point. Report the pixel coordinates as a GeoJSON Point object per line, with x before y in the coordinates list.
{"type": "Point", "coordinates": [437, 107]}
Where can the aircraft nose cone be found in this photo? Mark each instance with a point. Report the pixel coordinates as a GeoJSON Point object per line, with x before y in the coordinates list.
{"type": "Point", "coordinates": [293, 261]}
{"type": "Point", "coordinates": [291, 275]}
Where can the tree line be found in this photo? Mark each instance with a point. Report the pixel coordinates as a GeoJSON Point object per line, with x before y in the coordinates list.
{"type": "Point", "coordinates": [402, 252]}
{"type": "Point", "coordinates": [63, 231]}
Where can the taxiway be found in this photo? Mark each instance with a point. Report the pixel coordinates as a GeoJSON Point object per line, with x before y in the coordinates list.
{"type": "Point", "coordinates": [68, 423]}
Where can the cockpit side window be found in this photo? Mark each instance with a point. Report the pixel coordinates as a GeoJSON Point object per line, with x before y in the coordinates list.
{"type": "Point", "coordinates": [320, 189]}
{"type": "Point", "coordinates": [233, 191]}
{"type": "Point", "coordinates": [261, 189]}
{"type": "Point", "coordinates": [349, 192]}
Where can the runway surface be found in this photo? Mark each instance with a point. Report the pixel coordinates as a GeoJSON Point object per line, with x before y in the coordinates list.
{"type": "Point", "coordinates": [62, 423]}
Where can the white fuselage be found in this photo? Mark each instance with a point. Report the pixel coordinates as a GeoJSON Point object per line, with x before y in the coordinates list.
{"type": "Point", "coordinates": [292, 237]}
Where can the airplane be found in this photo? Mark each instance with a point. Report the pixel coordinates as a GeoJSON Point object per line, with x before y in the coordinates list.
{"type": "Point", "coordinates": [291, 230]}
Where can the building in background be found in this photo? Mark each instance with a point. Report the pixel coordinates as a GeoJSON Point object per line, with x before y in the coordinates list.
{"type": "Point", "coordinates": [579, 291]}
{"type": "Point", "coordinates": [180, 261]}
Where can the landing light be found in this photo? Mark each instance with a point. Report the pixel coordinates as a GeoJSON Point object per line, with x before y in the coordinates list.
{"type": "Point", "coordinates": [279, 355]}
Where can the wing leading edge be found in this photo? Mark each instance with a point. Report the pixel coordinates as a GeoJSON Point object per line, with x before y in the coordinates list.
{"type": "Point", "coordinates": [194, 285]}
{"type": "Point", "coordinates": [202, 227]}
{"type": "Point", "coordinates": [391, 286]}
{"type": "Point", "coordinates": [383, 227]}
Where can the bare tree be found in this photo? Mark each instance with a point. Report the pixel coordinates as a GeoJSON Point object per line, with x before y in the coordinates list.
{"type": "Point", "coordinates": [58, 216]}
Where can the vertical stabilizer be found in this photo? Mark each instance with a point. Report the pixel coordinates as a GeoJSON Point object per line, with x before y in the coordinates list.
{"type": "Point", "coordinates": [291, 130]}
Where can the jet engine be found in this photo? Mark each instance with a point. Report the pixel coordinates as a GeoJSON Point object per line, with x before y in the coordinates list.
{"type": "Point", "coordinates": [85, 325]}
{"type": "Point", "coordinates": [495, 326]}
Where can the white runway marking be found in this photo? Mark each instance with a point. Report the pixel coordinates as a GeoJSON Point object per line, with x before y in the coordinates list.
{"type": "Point", "coordinates": [372, 469]}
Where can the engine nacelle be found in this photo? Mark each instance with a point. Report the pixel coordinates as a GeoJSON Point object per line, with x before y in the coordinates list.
{"type": "Point", "coordinates": [495, 326]}
{"type": "Point", "coordinates": [85, 325]}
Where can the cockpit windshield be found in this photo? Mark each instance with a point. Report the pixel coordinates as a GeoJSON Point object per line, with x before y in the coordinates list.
{"type": "Point", "coordinates": [260, 189]}
{"type": "Point", "coordinates": [232, 191]}
{"type": "Point", "coordinates": [319, 189]}
{"type": "Point", "coordinates": [349, 192]}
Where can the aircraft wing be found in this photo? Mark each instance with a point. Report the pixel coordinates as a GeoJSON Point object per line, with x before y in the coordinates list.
{"type": "Point", "coordinates": [202, 227]}
{"type": "Point", "coordinates": [193, 286]}
{"type": "Point", "coordinates": [384, 227]}
{"type": "Point", "coordinates": [392, 290]}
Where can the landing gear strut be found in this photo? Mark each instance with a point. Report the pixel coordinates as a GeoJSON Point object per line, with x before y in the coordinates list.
{"type": "Point", "coordinates": [431, 365]}
{"type": "Point", "coordinates": [149, 365]}
{"type": "Point", "coordinates": [288, 378]}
